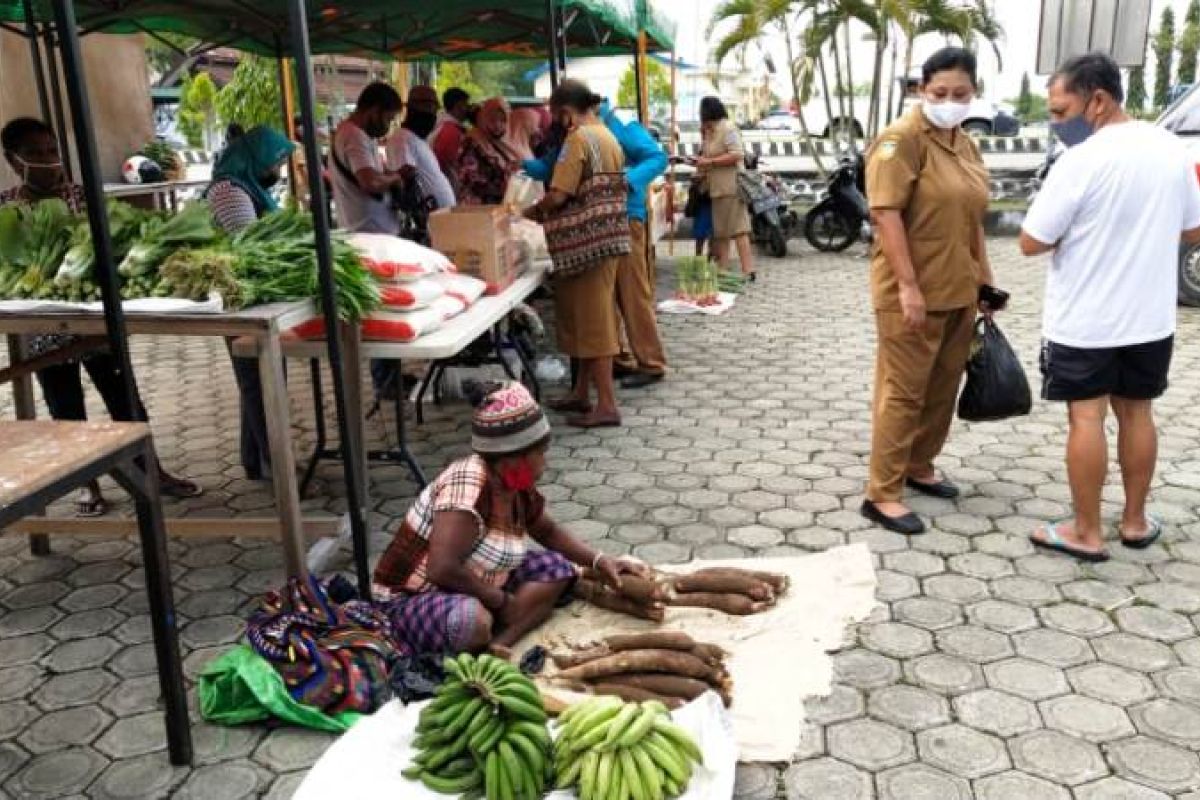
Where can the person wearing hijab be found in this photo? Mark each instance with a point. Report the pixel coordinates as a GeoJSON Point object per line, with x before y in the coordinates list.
{"type": "Point", "coordinates": [524, 132]}
{"type": "Point", "coordinates": [238, 195]}
{"type": "Point", "coordinates": [486, 161]}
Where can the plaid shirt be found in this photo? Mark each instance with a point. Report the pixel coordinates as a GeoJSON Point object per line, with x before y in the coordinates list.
{"type": "Point", "coordinates": [504, 522]}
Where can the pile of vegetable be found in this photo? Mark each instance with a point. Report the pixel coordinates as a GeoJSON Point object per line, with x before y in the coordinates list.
{"type": "Point", "coordinates": [168, 160]}
{"type": "Point", "coordinates": [725, 589]}
{"type": "Point", "coordinates": [665, 666]}
{"type": "Point", "coordinates": [46, 253]}
{"type": "Point", "coordinates": [484, 734]}
{"type": "Point", "coordinates": [700, 281]}
{"type": "Point", "coordinates": [610, 750]}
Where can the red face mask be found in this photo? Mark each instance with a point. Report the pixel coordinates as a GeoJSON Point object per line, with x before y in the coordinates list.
{"type": "Point", "coordinates": [518, 477]}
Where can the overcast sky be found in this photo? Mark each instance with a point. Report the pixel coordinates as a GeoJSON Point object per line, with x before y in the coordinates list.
{"type": "Point", "coordinates": [1019, 46]}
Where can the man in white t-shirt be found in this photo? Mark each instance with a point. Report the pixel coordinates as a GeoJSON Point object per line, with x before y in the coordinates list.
{"type": "Point", "coordinates": [407, 146]}
{"type": "Point", "coordinates": [362, 184]}
{"type": "Point", "coordinates": [1112, 211]}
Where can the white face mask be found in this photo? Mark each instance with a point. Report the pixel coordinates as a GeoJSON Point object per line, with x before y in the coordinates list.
{"type": "Point", "coordinates": [946, 115]}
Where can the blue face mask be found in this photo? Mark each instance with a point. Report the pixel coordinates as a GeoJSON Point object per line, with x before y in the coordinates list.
{"type": "Point", "coordinates": [1073, 131]}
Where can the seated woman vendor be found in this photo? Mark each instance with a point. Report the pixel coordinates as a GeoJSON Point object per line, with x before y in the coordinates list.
{"type": "Point", "coordinates": [460, 574]}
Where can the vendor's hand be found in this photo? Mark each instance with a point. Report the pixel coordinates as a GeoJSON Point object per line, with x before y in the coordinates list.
{"type": "Point", "coordinates": [912, 303]}
{"type": "Point", "coordinates": [986, 311]}
{"type": "Point", "coordinates": [611, 569]}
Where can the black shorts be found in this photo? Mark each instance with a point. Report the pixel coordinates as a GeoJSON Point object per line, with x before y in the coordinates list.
{"type": "Point", "coordinates": [1135, 372]}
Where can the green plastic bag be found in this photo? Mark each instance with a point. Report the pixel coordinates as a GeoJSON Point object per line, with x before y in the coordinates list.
{"type": "Point", "coordinates": [241, 687]}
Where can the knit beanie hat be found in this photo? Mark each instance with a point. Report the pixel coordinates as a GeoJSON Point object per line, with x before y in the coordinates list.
{"type": "Point", "coordinates": [507, 419]}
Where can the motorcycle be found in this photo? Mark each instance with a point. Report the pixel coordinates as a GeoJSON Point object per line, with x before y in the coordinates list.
{"type": "Point", "coordinates": [772, 221]}
{"type": "Point", "coordinates": [837, 221]}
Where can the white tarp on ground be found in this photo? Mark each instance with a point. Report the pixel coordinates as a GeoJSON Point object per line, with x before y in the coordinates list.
{"type": "Point", "coordinates": [366, 762]}
{"type": "Point", "coordinates": [779, 657]}
{"type": "Point", "coordinates": [725, 301]}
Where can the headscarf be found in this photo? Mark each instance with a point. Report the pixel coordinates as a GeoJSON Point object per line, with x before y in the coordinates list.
{"type": "Point", "coordinates": [497, 150]}
{"type": "Point", "coordinates": [524, 126]}
{"type": "Point", "coordinates": [250, 156]}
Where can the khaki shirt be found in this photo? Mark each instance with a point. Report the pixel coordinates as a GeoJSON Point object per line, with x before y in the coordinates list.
{"type": "Point", "coordinates": [721, 181]}
{"type": "Point", "coordinates": [571, 168]}
{"type": "Point", "coordinates": [941, 189]}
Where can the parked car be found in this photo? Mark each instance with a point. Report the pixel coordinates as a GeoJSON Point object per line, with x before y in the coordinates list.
{"type": "Point", "coordinates": [1183, 119]}
{"type": "Point", "coordinates": [780, 121]}
{"type": "Point", "coordinates": [985, 118]}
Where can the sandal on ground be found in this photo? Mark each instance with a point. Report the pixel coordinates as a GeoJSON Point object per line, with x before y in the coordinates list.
{"type": "Point", "coordinates": [179, 487]}
{"type": "Point", "coordinates": [594, 420]}
{"type": "Point", "coordinates": [1054, 541]}
{"type": "Point", "coordinates": [569, 405]}
{"type": "Point", "coordinates": [93, 506]}
{"type": "Point", "coordinates": [1154, 529]}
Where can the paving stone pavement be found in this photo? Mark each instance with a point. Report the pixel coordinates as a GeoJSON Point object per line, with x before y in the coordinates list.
{"type": "Point", "coordinates": [989, 671]}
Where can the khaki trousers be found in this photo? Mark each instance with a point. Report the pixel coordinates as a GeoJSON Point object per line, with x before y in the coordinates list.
{"type": "Point", "coordinates": [917, 375]}
{"type": "Point", "coordinates": [635, 302]}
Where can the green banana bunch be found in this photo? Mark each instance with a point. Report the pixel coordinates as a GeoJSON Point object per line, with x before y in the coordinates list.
{"type": "Point", "coordinates": [610, 750]}
{"type": "Point", "coordinates": [484, 733]}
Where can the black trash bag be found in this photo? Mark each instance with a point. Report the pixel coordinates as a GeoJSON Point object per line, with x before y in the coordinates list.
{"type": "Point", "coordinates": [417, 677]}
{"type": "Point", "coordinates": [996, 385]}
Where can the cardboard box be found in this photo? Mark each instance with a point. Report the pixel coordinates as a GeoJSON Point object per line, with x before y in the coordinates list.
{"type": "Point", "coordinates": [478, 239]}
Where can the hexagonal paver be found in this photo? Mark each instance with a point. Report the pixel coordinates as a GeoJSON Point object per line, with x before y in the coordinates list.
{"type": "Point", "coordinates": [927, 613]}
{"type": "Point", "coordinates": [28, 620]}
{"type": "Point", "coordinates": [212, 631]}
{"type": "Point", "coordinates": [827, 778]}
{"type": "Point", "coordinates": [1031, 680]}
{"type": "Point", "coordinates": [136, 779]}
{"type": "Point", "coordinates": [25, 649]}
{"type": "Point", "coordinates": [975, 644]}
{"type": "Point", "coordinates": [1052, 647]}
{"type": "Point", "coordinates": [908, 707]}
{"type": "Point", "coordinates": [956, 588]}
{"type": "Point", "coordinates": [996, 712]}
{"type": "Point", "coordinates": [83, 624]}
{"type": "Point", "coordinates": [869, 744]}
{"type": "Point", "coordinates": [944, 673]}
{"type": "Point", "coordinates": [1133, 652]}
{"type": "Point", "coordinates": [1010, 785]}
{"type": "Point", "coordinates": [1155, 623]}
{"type": "Point", "coordinates": [81, 654]}
{"type": "Point", "coordinates": [917, 564]}
{"type": "Point", "coordinates": [56, 774]}
{"type": "Point", "coordinates": [230, 781]}
{"type": "Point", "coordinates": [287, 749]}
{"type": "Point", "coordinates": [864, 669]}
{"type": "Point", "coordinates": [1111, 684]}
{"type": "Point", "coordinates": [962, 751]}
{"type": "Point", "coordinates": [19, 682]}
{"type": "Point", "coordinates": [896, 639]}
{"type": "Point", "coordinates": [1058, 757]}
{"type": "Point", "coordinates": [74, 689]}
{"type": "Point", "coordinates": [1182, 683]}
{"type": "Point", "coordinates": [1172, 720]}
{"type": "Point", "coordinates": [1025, 591]}
{"type": "Point", "coordinates": [921, 782]}
{"type": "Point", "coordinates": [1002, 616]}
{"type": "Point", "coordinates": [1117, 789]}
{"type": "Point", "coordinates": [842, 703]}
{"type": "Point", "coordinates": [70, 727]}
{"type": "Point", "coordinates": [755, 782]}
{"type": "Point", "coordinates": [1086, 718]}
{"type": "Point", "coordinates": [133, 736]}
{"type": "Point", "coordinates": [1154, 763]}
{"type": "Point", "coordinates": [1077, 619]}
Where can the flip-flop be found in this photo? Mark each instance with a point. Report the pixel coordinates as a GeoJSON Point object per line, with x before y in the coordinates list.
{"type": "Point", "coordinates": [1154, 529]}
{"type": "Point", "coordinates": [1054, 541]}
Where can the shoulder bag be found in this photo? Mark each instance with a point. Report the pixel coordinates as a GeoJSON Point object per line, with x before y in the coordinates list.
{"type": "Point", "coordinates": [594, 224]}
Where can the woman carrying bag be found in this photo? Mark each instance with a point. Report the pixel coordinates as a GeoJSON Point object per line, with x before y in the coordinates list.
{"type": "Point", "coordinates": [587, 232]}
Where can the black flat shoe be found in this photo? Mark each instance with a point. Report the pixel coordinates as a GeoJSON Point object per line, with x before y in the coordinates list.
{"type": "Point", "coordinates": [640, 380]}
{"type": "Point", "coordinates": [943, 488]}
{"type": "Point", "coordinates": [908, 525]}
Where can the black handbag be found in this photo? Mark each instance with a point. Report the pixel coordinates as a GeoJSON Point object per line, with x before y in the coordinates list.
{"type": "Point", "coordinates": [996, 386]}
{"type": "Point", "coordinates": [695, 198]}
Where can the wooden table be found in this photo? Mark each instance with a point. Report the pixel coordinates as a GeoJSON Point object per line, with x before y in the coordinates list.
{"type": "Point", "coordinates": [260, 324]}
{"type": "Point", "coordinates": [437, 347]}
{"type": "Point", "coordinates": [44, 461]}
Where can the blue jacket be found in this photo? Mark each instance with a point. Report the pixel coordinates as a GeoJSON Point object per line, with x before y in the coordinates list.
{"type": "Point", "coordinates": [645, 160]}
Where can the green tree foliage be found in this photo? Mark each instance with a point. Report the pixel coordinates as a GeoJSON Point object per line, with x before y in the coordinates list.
{"type": "Point", "coordinates": [658, 88]}
{"type": "Point", "coordinates": [198, 109]}
{"type": "Point", "coordinates": [1189, 43]}
{"type": "Point", "coordinates": [252, 96]}
{"type": "Point", "coordinates": [504, 78]}
{"type": "Point", "coordinates": [1164, 53]}
{"type": "Point", "coordinates": [458, 73]}
{"type": "Point", "coordinates": [1024, 104]}
{"type": "Point", "coordinates": [1135, 94]}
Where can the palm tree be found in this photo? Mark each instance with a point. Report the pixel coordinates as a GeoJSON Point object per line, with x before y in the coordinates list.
{"type": "Point", "coordinates": [751, 21]}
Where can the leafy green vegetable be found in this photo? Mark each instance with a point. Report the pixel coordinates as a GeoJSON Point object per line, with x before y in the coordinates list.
{"type": "Point", "coordinates": [191, 227]}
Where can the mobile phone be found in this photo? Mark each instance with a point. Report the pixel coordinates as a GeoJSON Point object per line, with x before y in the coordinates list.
{"type": "Point", "coordinates": [996, 299]}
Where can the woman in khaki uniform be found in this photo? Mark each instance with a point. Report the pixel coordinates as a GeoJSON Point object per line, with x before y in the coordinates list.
{"type": "Point", "coordinates": [584, 309]}
{"type": "Point", "coordinates": [721, 157]}
{"type": "Point", "coordinates": [928, 191]}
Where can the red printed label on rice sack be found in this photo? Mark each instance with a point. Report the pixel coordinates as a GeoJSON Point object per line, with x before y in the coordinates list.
{"type": "Point", "coordinates": [448, 306]}
{"type": "Point", "coordinates": [466, 288]}
{"type": "Point", "coordinates": [391, 258]}
{"type": "Point", "coordinates": [312, 329]}
{"type": "Point", "coordinates": [411, 296]}
{"type": "Point", "coordinates": [406, 326]}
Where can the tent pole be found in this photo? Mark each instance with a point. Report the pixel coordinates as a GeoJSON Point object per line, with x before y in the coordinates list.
{"type": "Point", "coordinates": [39, 74]}
{"type": "Point", "coordinates": [672, 150]}
{"type": "Point", "coordinates": [288, 100]}
{"type": "Point", "coordinates": [60, 114]}
{"type": "Point", "coordinates": [552, 36]}
{"type": "Point", "coordinates": [351, 457]}
{"type": "Point", "coordinates": [642, 79]}
{"type": "Point", "coordinates": [166, 643]}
